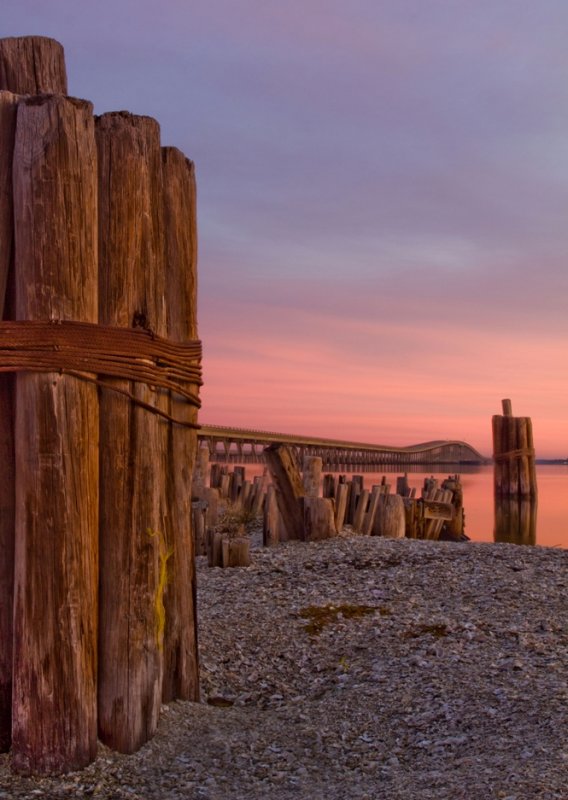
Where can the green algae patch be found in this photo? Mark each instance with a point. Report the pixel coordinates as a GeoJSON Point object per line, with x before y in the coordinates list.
{"type": "Point", "coordinates": [319, 616]}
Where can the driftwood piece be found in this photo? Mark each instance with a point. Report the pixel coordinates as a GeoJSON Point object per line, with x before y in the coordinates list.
{"type": "Point", "coordinates": [319, 518]}
{"type": "Point", "coordinates": [32, 65]}
{"type": "Point", "coordinates": [181, 677]}
{"type": "Point", "coordinates": [133, 442]}
{"type": "Point", "coordinates": [8, 109]}
{"type": "Point", "coordinates": [283, 467]}
{"type": "Point", "coordinates": [56, 429]}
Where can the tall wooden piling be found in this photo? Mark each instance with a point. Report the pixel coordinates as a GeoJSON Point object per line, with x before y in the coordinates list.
{"type": "Point", "coordinates": [514, 455]}
{"type": "Point", "coordinates": [181, 679]}
{"type": "Point", "coordinates": [32, 65]}
{"type": "Point", "coordinates": [58, 178]}
{"type": "Point", "coordinates": [133, 442]}
{"type": "Point", "coordinates": [56, 429]}
{"type": "Point", "coordinates": [8, 109]}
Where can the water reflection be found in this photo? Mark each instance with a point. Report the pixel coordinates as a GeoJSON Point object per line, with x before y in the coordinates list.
{"type": "Point", "coordinates": [515, 520]}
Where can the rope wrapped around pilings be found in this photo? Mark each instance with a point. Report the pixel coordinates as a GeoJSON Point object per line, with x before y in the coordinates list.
{"type": "Point", "coordinates": [527, 451]}
{"type": "Point", "coordinates": [86, 350]}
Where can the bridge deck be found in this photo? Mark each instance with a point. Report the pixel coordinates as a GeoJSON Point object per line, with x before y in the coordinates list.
{"type": "Point", "coordinates": [435, 451]}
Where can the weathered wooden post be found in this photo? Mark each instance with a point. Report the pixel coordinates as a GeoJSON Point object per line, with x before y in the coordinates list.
{"type": "Point", "coordinates": [32, 65]}
{"type": "Point", "coordinates": [389, 518]}
{"type": "Point", "coordinates": [341, 505]}
{"type": "Point", "coordinates": [59, 177]}
{"type": "Point", "coordinates": [328, 485]}
{"type": "Point", "coordinates": [284, 470]}
{"type": "Point", "coordinates": [312, 475]}
{"type": "Point", "coordinates": [513, 454]}
{"type": "Point", "coordinates": [199, 482]}
{"type": "Point", "coordinates": [28, 65]}
{"type": "Point", "coordinates": [8, 108]}
{"type": "Point", "coordinates": [270, 519]}
{"type": "Point", "coordinates": [181, 677]}
{"type": "Point", "coordinates": [133, 442]}
{"type": "Point", "coordinates": [56, 430]}
{"type": "Point", "coordinates": [319, 518]}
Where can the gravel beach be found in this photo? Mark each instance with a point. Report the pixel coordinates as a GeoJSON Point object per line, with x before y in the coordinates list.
{"type": "Point", "coordinates": [357, 668]}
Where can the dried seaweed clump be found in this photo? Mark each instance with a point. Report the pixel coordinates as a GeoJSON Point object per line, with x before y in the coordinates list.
{"type": "Point", "coordinates": [320, 616]}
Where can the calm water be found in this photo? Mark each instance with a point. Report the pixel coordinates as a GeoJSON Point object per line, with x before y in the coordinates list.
{"type": "Point", "coordinates": [549, 528]}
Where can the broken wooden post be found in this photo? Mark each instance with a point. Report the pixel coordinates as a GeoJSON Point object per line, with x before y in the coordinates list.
{"type": "Point", "coordinates": [514, 455]}
{"type": "Point", "coordinates": [215, 475]}
{"type": "Point", "coordinates": [238, 478]}
{"type": "Point", "coordinates": [360, 511]}
{"type": "Point", "coordinates": [329, 485]}
{"type": "Point", "coordinates": [341, 505]}
{"type": "Point", "coordinates": [199, 526]}
{"type": "Point", "coordinates": [357, 486]}
{"type": "Point", "coordinates": [319, 518]}
{"type": "Point", "coordinates": [214, 548]}
{"type": "Point", "coordinates": [285, 473]}
{"type": "Point", "coordinates": [181, 677]}
{"type": "Point", "coordinates": [56, 429]}
{"type": "Point", "coordinates": [369, 519]}
{"type": "Point", "coordinates": [133, 442]}
{"type": "Point", "coordinates": [235, 551]}
{"type": "Point", "coordinates": [389, 519]}
{"type": "Point", "coordinates": [200, 469]}
{"type": "Point", "coordinates": [271, 517]}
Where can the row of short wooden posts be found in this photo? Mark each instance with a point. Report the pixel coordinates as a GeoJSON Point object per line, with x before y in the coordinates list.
{"type": "Point", "coordinates": [305, 505]}
{"type": "Point", "coordinates": [97, 615]}
{"type": "Point", "coordinates": [294, 509]}
{"type": "Point", "coordinates": [220, 511]}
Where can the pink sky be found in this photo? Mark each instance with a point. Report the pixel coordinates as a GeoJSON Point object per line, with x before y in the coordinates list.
{"type": "Point", "coordinates": [383, 197]}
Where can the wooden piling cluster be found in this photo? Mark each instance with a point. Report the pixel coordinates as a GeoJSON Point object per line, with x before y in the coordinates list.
{"type": "Point", "coordinates": [514, 455]}
{"type": "Point", "coordinates": [221, 536]}
{"type": "Point", "coordinates": [97, 586]}
{"type": "Point", "coordinates": [294, 509]}
{"type": "Point", "coordinates": [291, 514]}
{"type": "Point", "coordinates": [515, 484]}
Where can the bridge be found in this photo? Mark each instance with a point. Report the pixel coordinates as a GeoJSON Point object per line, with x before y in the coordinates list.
{"type": "Point", "coordinates": [240, 445]}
